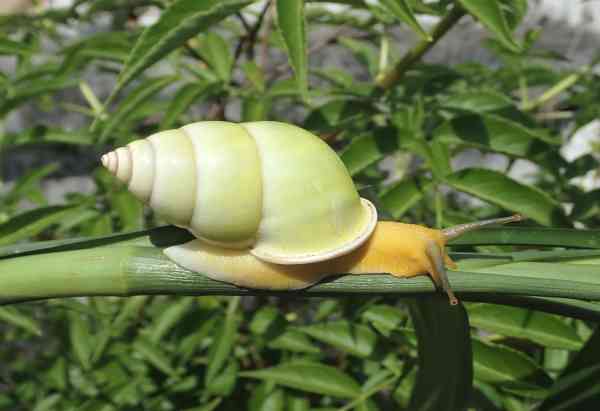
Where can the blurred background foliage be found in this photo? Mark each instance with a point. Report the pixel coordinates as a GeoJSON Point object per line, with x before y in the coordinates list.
{"type": "Point", "coordinates": [405, 129]}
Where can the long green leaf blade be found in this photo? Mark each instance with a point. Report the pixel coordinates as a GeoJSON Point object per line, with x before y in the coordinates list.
{"type": "Point", "coordinates": [577, 387]}
{"type": "Point", "coordinates": [501, 190]}
{"type": "Point", "coordinates": [180, 22]}
{"type": "Point", "coordinates": [291, 19]}
{"type": "Point", "coordinates": [32, 222]}
{"type": "Point", "coordinates": [490, 14]}
{"type": "Point", "coordinates": [445, 366]}
{"type": "Point", "coordinates": [134, 100]}
{"type": "Point", "coordinates": [541, 328]}
{"type": "Point", "coordinates": [403, 12]}
{"type": "Point", "coordinates": [309, 377]}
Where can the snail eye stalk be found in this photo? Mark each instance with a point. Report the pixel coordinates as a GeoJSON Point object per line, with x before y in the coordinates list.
{"type": "Point", "coordinates": [458, 230]}
{"type": "Point", "coordinates": [438, 270]}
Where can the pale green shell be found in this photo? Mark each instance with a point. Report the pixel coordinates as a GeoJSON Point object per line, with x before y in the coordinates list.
{"type": "Point", "coordinates": [271, 187]}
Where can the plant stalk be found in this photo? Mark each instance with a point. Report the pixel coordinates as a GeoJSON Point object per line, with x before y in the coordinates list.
{"type": "Point", "coordinates": [129, 269]}
{"type": "Point", "coordinates": [389, 79]}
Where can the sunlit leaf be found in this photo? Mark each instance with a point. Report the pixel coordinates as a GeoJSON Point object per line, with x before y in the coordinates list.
{"type": "Point", "coordinates": [291, 20]}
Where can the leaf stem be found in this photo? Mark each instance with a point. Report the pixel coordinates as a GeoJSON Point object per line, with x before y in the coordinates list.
{"type": "Point", "coordinates": [387, 80]}
{"type": "Point", "coordinates": [131, 269]}
{"type": "Point", "coordinates": [552, 92]}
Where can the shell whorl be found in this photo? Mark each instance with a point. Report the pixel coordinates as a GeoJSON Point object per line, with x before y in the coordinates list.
{"type": "Point", "coordinates": [269, 186]}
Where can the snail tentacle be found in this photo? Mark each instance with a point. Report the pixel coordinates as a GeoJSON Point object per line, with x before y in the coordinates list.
{"type": "Point", "coordinates": [438, 269]}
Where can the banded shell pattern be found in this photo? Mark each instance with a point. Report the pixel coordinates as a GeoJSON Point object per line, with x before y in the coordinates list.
{"type": "Point", "coordinates": [271, 187]}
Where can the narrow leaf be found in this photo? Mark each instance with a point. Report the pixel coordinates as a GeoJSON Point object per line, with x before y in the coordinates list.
{"type": "Point", "coordinates": [291, 19]}
{"type": "Point", "coordinates": [355, 339]}
{"type": "Point", "coordinates": [403, 195]}
{"type": "Point", "coordinates": [294, 341]}
{"type": "Point", "coordinates": [177, 24]}
{"type": "Point", "coordinates": [81, 339]}
{"type": "Point", "coordinates": [215, 51]}
{"type": "Point", "coordinates": [402, 11]}
{"type": "Point", "coordinates": [310, 377]}
{"type": "Point", "coordinates": [10, 47]}
{"type": "Point", "coordinates": [13, 316]}
{"type": "Point", "coordinates": [183, 99]}
{"type": "Point", "coordinates": [33, 222]}
{"type": "Point", "coordinates": [490, 14]}
{"type": "Point", "coordinates": [577, 387]}
{"type": "Point", "coordinates": [154, 355]}
{"type": "Point", "coordinates": [223, 342]}
{"type": "Point", "coordinates": [366, 150]}
{"type": "Point", "coordinates": [27, 90]}
{"type": "Point", "coordinates": [542, 328]}
{"type": "Point", "coordinates": [477, 101]}
{"type": "Point", "coordinates": [445, 376]}
{"type": "Point", "coordinates": [169, 318]}
{"type": "Point", "coordinates": [501, 190]}
{"type": "Point", "coordinates": [501, 365]}
{"type": "Point", "coordinates": [559, 237]}
{"type": "Point", "coordinates": [493, 133]}
{"type": "Point", "coordinates": [134, 100]}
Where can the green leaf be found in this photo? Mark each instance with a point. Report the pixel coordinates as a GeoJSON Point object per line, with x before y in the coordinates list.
{"type": "Point", "coordinates": [364, 53]}
{"type": "Point", "coordinates": [182, 100]}
{"type": "Point", "coordinates": [255, 108]}
{"type": "Point", "coordinates": [255, 75]}
{"type": "Point", "coordinates": [154, 355]}
{"type": "Point", "coordinates": [112, 46]}
{"type": "Point", "coordinates": [354, 339]}
{"type": "Point", "coordinates": [291, 21]}
{"type": "Point", "coordinates": [81, 339]}
{"type": "Point", "coordinates": [13, 316]}
{"type": "Point", "coordinates": [266, 397]}
{"type": "Point", "coordinates": [310, 377]}
{"type": "Point", "coordinates": [48, 403]}
{"type": "Point", "coordinates": [43, 134]}
{"type": "Point", "coordinates": [493, 133]}
{"type": "Point", "coordinates": [384, 318]}
{"type": "Point", "coordinates": [133, 101]}
{"type": "Point", "coordinates": [404, 195]}
{"type": "Point", "coordinates": [445, 376]}
{"type": "Point", "coordinates": [501, 190]}
{"type": "Point", "coordinates": [577, 387]}
{"type": "Point", "coordinates": [223, 343]}
{"type": "Point", "coordinates": [504, 366]}
{"type": "Point", "coordinates": [490, 14]}
{"type": "Point", "coordinates": [169, 318]}
{"type": "Point", "coordinates": [26, 184]}
{"type": "Point", "coordinates": [582, 273]}
{"type": "Point", "coordinates": [215, 51]}
{"type": "Point", "coordinates": [129, 209]}
{"type": "Point", "coordinates": [27, 90]}
{"type": "Point", "coordinates": [402, 11]}
{"type": "Point", "coordinates": [224, 383]}
{"type": "Point", "coordinates": [294, 341]}
{"type": "Point", "coordinates": [559, 237]}
{"type": "Point", "coordinates": [337, 115]}
{"type": "Point", "coordinates": [477, 101]}
{"type": "Point", "coordinates": [32, 222]}
{"type": "Point", "coordinates": [14, 48]}
{"type": "Point", "coordinates": [263, 319]}
{"type": "Point", "coordinates": [366, 150]}
{"type": "Point", "coordinates": [542, 328]}
{"type": "Point", "coordinates": [181, 21]}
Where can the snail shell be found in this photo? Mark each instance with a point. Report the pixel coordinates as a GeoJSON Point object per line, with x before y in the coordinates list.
{"type": "Point", "coordinates": [271, 187]}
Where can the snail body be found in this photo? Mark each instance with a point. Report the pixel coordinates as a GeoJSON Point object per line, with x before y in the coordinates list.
{"type": "Point", "coordinates": [271, 206]}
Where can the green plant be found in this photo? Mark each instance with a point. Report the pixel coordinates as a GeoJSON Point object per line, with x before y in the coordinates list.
{"type": "Point", "coordinates": [370, 350]}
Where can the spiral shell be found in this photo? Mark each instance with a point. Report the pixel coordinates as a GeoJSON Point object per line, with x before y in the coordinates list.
{"type": "Point", "coordinates": [271, 187]}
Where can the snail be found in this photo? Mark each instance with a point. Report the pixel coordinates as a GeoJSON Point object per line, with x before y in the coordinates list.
{"type": "Point", "coordinates": [272, 206]}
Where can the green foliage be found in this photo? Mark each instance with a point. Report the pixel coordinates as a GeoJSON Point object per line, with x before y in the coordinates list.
{"type": "Point", "coordinates": [202, 60]}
